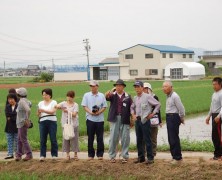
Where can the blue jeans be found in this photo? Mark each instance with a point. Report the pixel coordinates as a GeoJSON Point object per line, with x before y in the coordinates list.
{"type": "Point", "coordinates": [12, 141]}
{"type": "Point", "coordinates": [143, 134]}
{"type": "Point", "coordinates": [173, 123]}
{"type": "Point", "coordinates": [95, 128]}
{"type": "Point", "coordinates": [48, 127]}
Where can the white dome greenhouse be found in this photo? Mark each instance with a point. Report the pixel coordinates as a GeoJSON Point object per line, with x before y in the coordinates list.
{"type": "Point", "coordinates": [184, 71]}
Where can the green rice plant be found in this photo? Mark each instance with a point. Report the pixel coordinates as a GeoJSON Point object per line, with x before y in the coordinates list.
{"type": "Point", "coordinates": [195, 95]}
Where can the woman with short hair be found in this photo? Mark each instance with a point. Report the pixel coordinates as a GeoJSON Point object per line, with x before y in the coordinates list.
{"type": "Point", "coordinates": [47, 123]}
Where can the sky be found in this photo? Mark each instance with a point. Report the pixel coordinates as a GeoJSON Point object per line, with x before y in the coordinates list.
{"type": "Point", "coordinates": [35, 32]}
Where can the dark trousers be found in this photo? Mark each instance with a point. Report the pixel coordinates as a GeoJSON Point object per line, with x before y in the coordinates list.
{"type": "Point", "coordinates": [95, 128]}
{"type": "Point", "coordinates": [48, 127]}
{"type": "Point", "coordinates": [143, 134]}
{"type": "Point", "coordinates": [216, 136]}
{"type": "Point", "coordinates": [173, 123]}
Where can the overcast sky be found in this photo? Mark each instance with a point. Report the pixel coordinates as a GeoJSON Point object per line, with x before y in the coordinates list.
{"type": "Point", "coordinates": [35, 31]}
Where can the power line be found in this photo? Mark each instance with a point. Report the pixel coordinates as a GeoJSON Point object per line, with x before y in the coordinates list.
{"type": "Point", "coordinates": [33, 42]}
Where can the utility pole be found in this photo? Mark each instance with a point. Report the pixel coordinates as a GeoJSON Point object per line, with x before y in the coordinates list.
{"type": "Point", "coordinates": [53, 66]}
{"type": "Point", "coordinates": [4, 68]}
{"type": "Point", "coordinates": [87, 48]}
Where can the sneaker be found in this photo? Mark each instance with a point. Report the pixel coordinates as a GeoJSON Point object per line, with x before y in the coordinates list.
{"type": "Point", "coordinates": [139, 161]}
{"type": "Point", "coordinates": [42, 159]}
{"type": "Point", "coordinates": [54, 158]}
{"type": "Point", "coordinates": [9, 157]}
{"type": "Point", "coordinates": [174, 161]}
{"type": "Point", "coordinates": [215, 158]}
{"type": "Point", "coordinates": [27, 158]}
{"type": "Point", "coordinates": [148, 162]}
{"type": "Point", "coordinates": [90, 158]}
{"type": "Point", "coordinates": [100, 158]}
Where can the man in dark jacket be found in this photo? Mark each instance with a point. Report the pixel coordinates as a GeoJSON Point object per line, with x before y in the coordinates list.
{"type": "Point", "coordinates": [119, 118]}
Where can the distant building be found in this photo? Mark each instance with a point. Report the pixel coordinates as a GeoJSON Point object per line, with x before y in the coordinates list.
{"type": "Point", "coordinates": [107, 69]}
{"type": "Point", "coordinates": [213, 60]}
{"type": "Point", "coordinates": [33, 70]}
{"type": "Point", "coordinates": [184, 71]}
{"type": "Point", "coordinates": [146, 61]}
{"type": "Point", "coordinates": [70, 73]}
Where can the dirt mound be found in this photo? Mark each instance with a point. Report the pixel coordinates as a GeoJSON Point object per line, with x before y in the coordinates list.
{"type": "Point", "coordinates": [188, 169]}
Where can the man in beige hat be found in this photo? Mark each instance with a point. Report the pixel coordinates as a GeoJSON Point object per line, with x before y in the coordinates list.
{"type": "Point", "coordinates": [94, 103]}
{"type": "Point", "coordinates": [155, 121]}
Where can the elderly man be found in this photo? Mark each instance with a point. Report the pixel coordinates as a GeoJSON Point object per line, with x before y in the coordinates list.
{"type": "Point", "coordinates": [142, 111]}
{"type": "Point", "coordinates": [175, 113]}
{"type": "Point", "coordinates": [215, 109]}
{"type": "Point", "coordinates": [119, 118]}
{"type": "Point", "coordinates": [94, 103]}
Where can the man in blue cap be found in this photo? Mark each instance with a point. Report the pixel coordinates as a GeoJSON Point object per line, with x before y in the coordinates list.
{"type": "Point", "coordinates": [144, 107]}
{"type": "Point", "coordinates": [119, 118]}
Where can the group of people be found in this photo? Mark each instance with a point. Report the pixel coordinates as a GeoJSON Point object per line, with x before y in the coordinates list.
{"type": "Point", "coordinates": [125, 111]}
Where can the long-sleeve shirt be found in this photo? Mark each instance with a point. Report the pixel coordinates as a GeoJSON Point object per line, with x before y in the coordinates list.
{"type": "Point", "coordinates": [216, 103]}
{"type": "Point", "coordinates": [174, 104]}
{"type": "Point", "coordinates": [23, 112]}
{"type": "Point", "coordinates": [143, 105]}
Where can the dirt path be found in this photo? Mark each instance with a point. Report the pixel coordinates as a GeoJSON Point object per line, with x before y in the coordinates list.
{"type": "Point", "coordinates": [194, 166]}
{"type": "Point", "coordinates": [27, 85]}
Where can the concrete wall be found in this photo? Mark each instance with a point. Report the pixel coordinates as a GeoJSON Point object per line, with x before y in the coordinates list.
{"type": "Point", "coordinates": [71, 76]}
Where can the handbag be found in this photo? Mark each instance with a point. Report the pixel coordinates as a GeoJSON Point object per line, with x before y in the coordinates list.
{"type": "Point", "coordinates": [68, 129]}
{"type": "Point", "coordinates": [154, 121]}
{"type": "Point", "coordinates": [28, 123]}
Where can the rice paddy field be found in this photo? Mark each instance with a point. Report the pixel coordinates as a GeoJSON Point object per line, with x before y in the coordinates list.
{"type": "Point", "coordinates": [195, 95]}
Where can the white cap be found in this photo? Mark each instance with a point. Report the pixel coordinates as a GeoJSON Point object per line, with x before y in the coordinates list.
{"type": "Point", "coordinates": [94, 83]}
{"type": "Point", "coordinates": [147, 85]}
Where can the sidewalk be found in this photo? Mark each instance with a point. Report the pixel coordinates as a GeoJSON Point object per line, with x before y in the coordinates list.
{"type": "Point", "coordinates": [160, 155]}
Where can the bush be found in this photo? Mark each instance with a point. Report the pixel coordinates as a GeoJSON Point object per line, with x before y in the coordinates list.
{"type": "Point", "coordinates": [46, 77]}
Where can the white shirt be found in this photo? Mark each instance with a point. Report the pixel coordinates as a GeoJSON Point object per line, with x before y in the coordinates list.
{"type": "Point", "coordinates": [48, 107]}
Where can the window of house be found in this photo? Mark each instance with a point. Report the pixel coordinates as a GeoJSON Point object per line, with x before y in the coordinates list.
{"type": "Point", "coordinates": [164, 55]}
{"type": "Point", "coordinates": [171, 55]}
{"type": "Point", "coordinates": [184, 55]}
{"type": "Point", "coordinates": [176, 73]}
{"type": "Point", "coordinates": [129, 56]}
{"type": "Point", "coordinates": [190, 55]}
{"type": "Point", "coordinates": [151, 72]}
{"type": "Point", "coordinates": [211, 64]}
{"type": "Point", "coordinates": [133, 72]}
{"type": "Point", "coordinates": [147, 56]}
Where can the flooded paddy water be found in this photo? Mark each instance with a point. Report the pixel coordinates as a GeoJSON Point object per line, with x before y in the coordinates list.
{"type": "Point", "coordinates": [194, 129]}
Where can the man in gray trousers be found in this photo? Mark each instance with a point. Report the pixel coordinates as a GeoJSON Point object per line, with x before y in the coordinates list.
{"type": "Point", "coordinates": [119, 118]}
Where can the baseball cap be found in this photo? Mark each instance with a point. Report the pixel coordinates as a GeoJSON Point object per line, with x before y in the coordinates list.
{"type": "Point", "coordinates": [138, 83]}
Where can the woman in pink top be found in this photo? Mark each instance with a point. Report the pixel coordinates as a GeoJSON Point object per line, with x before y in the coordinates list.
{"type": "Point", "coordinates": [69, 106]}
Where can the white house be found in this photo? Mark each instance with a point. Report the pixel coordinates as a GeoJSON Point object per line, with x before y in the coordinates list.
{"type": "Point", "coordinates": [212, 58]}
{"type": "Point", "coordinates": [184, 71]}
{"type": "Point", "coordinates": [146, 61]}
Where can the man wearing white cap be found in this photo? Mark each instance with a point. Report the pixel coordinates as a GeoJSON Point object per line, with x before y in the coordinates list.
{"type": "Point", "coordinates": [155, 121]}
{"type": "Point", "coordinates": [94, 103]}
